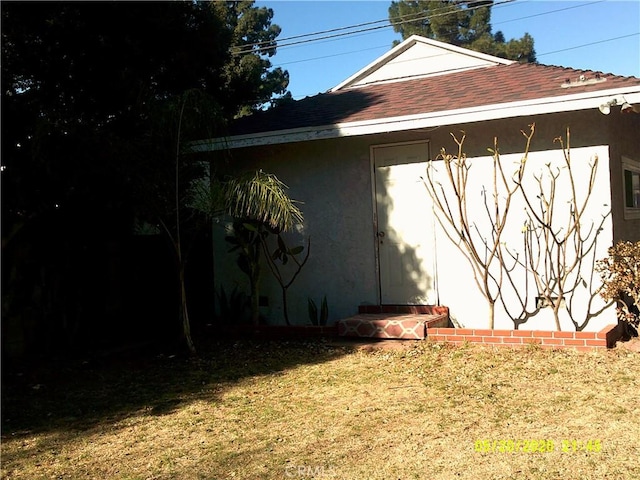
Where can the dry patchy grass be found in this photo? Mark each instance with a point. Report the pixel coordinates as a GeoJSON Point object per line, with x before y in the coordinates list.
{"type": "Point", "coordinates": [252, 410]}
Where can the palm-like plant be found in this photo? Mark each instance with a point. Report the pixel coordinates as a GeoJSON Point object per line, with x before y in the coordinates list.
{"type": "Point", "coordinates": [261, 206]}
{"type": "Point", "coordinates": [262, 197]}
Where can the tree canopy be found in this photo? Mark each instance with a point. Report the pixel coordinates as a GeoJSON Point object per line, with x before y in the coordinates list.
{"type": "Point", "coordinates": [86, 91]}
{"type": "Point", "coordinates": [81, 78]}
{"type": "Point", "coordinates": [462, 23]}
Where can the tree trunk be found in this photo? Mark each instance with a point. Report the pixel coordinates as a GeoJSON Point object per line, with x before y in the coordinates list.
{"type": "Point", "coordinates": [284, 306]}
{"type": "Point", "coordinates": [556, 313]}
{"type": "Point", "coordinates": [184, 314]}
{"type": "Point", "coordinates": [491, 314]}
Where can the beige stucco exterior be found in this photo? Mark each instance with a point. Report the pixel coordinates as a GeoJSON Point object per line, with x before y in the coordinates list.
{"type": "Point", "coordinates": [333, 179]}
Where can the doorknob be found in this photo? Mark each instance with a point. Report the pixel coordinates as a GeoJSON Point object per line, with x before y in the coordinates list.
{"type": "Point", "coordinates": [381, 234]}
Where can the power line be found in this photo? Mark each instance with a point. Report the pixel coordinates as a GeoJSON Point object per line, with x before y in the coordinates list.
{"type": "Point", "coordinates": [589, 44]}
{"type": "Point", "coordinates": [386, 46]}
{"type": "Point", "coordinates": [362, 31]}
{"type": "Point", "coordinates": [547, 13]}
{"type": "Point", "coordinates": [321, 32]}
{"type": "Point", "coordinates": [537, 54]}
{"type": "Point", "coordinates": [332, 55]}
{"type": "Point", "coordinates": [250, 48]}
{"type": "Point", "coordinates": [349, 27]}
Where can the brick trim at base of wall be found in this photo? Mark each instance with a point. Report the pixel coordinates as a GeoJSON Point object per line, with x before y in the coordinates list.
{"type": "Point", "coordinates": [583, 341]}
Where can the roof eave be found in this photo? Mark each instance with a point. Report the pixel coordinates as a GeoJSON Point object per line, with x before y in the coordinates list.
{"type": "Point", "coordinates": [541, 106]}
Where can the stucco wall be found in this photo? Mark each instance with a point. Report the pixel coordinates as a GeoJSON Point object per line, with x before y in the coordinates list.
{"type": "Point", "coordinates": [518, 287]}
{"type": "Point", "coordinates": [333, 178]}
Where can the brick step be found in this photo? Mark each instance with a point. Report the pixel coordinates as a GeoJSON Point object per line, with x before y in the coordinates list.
{"type": "Point", "coordinates": [405, 326]}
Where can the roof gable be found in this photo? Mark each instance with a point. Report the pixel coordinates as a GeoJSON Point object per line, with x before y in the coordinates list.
{"type": "Point", "coordinates": [418, 57]}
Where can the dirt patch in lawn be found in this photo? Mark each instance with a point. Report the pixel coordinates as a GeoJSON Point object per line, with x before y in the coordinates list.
{"type": "Point", "coordinates": [396, 410]}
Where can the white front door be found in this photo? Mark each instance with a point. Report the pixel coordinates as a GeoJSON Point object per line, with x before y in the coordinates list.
{"type": "Point", "coordinates": [404, 224]}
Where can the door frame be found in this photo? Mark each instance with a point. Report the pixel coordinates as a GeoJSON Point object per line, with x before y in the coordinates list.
{"type": "Point", "coordinates": [374, 202]}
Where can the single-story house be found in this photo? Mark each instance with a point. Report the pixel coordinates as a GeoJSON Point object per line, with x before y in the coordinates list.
{"type": "Point", "coordinates": [359, 158]}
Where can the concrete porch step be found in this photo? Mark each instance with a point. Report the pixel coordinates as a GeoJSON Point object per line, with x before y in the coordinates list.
{"type": "Point", "coordinates": [405, 326]}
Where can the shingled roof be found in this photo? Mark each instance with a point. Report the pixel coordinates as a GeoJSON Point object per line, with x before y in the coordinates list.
{"type": "Point", "coordinates": [479, 87]}
{"type": "Point", "coordinates": [422, 83]}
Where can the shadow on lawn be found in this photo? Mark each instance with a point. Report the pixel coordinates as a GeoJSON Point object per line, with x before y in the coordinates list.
{"type": "Point", "coordinates": [78, 395]}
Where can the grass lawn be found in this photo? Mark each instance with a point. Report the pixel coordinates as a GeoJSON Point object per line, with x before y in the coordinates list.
{"type": "Point", "coordinates": [252, 410]}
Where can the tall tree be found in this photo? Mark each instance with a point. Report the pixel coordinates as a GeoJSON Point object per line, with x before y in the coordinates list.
{"type": "Point", "coordinates": [250, 80]}
{"type": "Point", "coordinates": [461, 23]}
{"type": "Point", "coordinates": [81, 85]}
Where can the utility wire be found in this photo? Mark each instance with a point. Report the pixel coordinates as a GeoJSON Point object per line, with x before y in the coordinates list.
{"type": "Point", "coordinates": [249, 48]}
{"type": "Point", "coordinates": [551, 11]}
{"type": "Point", "coordinates": [537, 54]}
{"type": "Point", "coordinates": [386, 46]}
{"type": "Point", "coordinates": [341, 54]}
{"type": "Point", "coordinates": [349, 27]}
{"type": "Point", "coordinates": [402, 16]}
{"type": "Point", "coordinates": [404, 20]}
{"type": "Point", "coordinates": [588, 44]}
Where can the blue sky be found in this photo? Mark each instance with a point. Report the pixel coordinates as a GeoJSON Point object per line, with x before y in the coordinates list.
{"type": "Point", "coordinates": [595, 35]}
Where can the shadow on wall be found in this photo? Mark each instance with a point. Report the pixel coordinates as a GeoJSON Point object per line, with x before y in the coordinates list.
{"type": "Point", "coordinates": [404, 230]}
{"type": "Point", "coordinates": [343, 264]}
{"type": "Point", "coordinates": [555, 218]}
